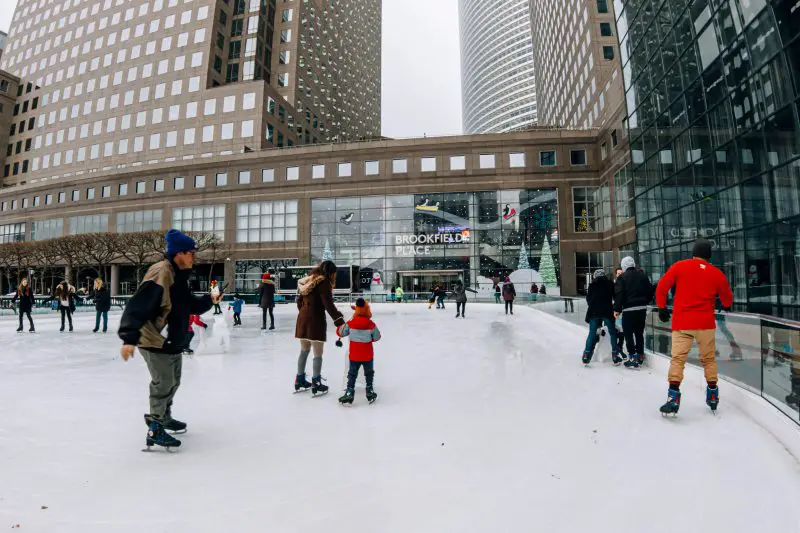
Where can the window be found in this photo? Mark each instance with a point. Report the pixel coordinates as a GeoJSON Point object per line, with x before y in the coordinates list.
{"type": "Point", "coordinates": [318, 171]}
{"type": "Point", "coordinates": [458, 162]}
{"type": "Point", "coordinates": [292, 173]}
{"type": "Point", "coordinates": [177, 183]}
{"type": "Point", "coordinates": [222, 179]}
{"type": "Point", "coordinates": [62, 197]}
{"type": "Point", "coordinates": [247, 128]}
{"type": "Point", "coordinates": [591, 208]}
{"type": "Point", "coordinates": [210, 107]}
{"type": "Point", "coordinates": [603, 151]}
{"type": "Point", "coordinates": [266, 221]}
{"type": "Point", "coordinates": [516, 160]}
{"type": "Point", "coordinates": [608, 53]}
{"type": "Point", "coordinates": [12, 232]}
{"type": "Point", "coordinates": [48, 199]}
{"type": "Point", "coordinates": [487, 161]}
{"type": "Point", "coordinates": [140, 187]}
{"type": "Point", "coordinates": [235, 50]}
{"type": "Point", "coordinates": [158, 185]}
{"type": "Point", "coordinates": [136, 221]}
{"type": "Point", "coordinates": [345, 170]}
{"type": "Point", "coordinates": [208, 133]}
{"type": "Point", "coordinates": [428, 164]}
{"type": "Point", "coordinates": [605, 29]}
{"type": "Point", "coordinates": [229, 104]}
{"type": "Point", "coordinates": [226, 131]}
{"type": "Point", "coordinates": [372, 168]}
{"type": "Point", "coordinates": [399, 166]}
{"type": "Point", "coordinates": [90, 193]}
{"type": "Point", "coordinates": [577, 157]}
{"type": "Point", "coordinates": [602, 6]}
{"type": "Point", "coordinates": [88, 224]}
{"type": "Point", "coordinates": [236, 28]}
{"type": "Point", "coordinates": [207, 218]}
{"type": "Point", "coordinates": [47, 229]}
{"type": "Point", "coordinates": [36, 201]}
{"type": "Point", "coordinates": [199, 182]}
{"type": "Point", "coordinates": [123, 189]}
{"type": "Point", "coordinates": [613, 137]}
{"type": "Point", "coordinates": [244, 177]}
{"type": "Point", "coordinates": [105, 192]}
{"type": "Point", "coordinates": [547, 159]}
{"type": "Point", "coordinates": [267, 175]}
{"type": "Point", "coordinates": [24, 203]}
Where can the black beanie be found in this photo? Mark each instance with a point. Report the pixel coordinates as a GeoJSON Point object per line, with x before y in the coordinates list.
{"type": "Point", "coordinates": [702, 249]}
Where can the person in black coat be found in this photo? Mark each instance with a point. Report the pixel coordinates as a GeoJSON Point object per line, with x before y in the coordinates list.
{"type": "Point", "coordinates": [102, 304]}
{"type": "Point", "coordinates": [26, 301]}
{"type": "Point", "coordinates": [634, 292]}
{"type": "Point", "coordinates": [266, 300]}
{"type": "Point", "coordinates": [600, 312]}
{"type": "Point", "coordinates": [65, 296]}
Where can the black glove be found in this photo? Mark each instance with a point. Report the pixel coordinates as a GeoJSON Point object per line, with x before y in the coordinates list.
{"type": "Point", "coordinates": [664, 314]}
{"type": "Point", "coordinates": [205, 326]}
{"type": "Point", "coordinates": [339, 343]}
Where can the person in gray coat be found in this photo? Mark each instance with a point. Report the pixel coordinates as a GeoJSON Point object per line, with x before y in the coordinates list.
{"type": "Point", "coordinates": [460, 295]}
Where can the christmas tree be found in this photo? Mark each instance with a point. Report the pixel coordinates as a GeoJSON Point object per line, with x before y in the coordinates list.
{"type": "Point", "coordinates": [327, 253]}
{"type": "Point", "coordinates": [583, 222]}
{"type": "Point", "coordinates": [523, 263]}
{"type": "Point", "coordinates": [547, 268]}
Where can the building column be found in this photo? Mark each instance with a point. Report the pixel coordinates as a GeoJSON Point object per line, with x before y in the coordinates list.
{"type": "Point", "coordinates": [474, 245]}
{"type": "Point", "coordinates": [114, 288]}
{"type": "Point", "coordinates": [68, 273]}
{"type": "Point", "coordinates": [230, 274]}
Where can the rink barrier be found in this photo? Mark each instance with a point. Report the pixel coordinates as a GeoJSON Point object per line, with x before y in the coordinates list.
{"type": "Point", "coordinates": [757, 353]}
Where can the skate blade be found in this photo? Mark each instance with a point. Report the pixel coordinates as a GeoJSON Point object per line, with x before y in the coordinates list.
{"type": "Point", "coordinates": [149, 449]}
{"type": "Point", "coordinates": [299, 391]}
{"type": "Point", "coordinates": [179, 432]}
{"type": "Point", "coordinates": [318, 394]}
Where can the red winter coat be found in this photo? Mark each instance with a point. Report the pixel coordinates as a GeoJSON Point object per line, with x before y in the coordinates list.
{"type": "Point", "coordinates": [697, 284]}
{"type": "Point", "coordinates": [195, 320]}
{"type": "Point", "coordinates": [363, 332]}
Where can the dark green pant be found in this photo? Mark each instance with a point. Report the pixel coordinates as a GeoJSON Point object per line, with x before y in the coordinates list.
{"type": "Point", "coordinates": [165, 378]}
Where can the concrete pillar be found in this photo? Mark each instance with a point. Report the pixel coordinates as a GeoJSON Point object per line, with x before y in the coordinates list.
{"type": "Point", "coordinates": [68, 273]}
{"type": "Point", "coordinates": [114, 287]}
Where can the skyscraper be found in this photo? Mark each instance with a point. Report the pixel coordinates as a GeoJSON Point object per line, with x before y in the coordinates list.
{"type": "Point", "coordinates": [107, 85]}
{"type": "Point", "coordinates": [715, 140]}
{"type": "Point", "coordinates": [497, 72]}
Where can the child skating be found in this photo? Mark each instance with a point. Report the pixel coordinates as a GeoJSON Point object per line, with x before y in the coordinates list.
{"type": "Point", "coordinates": [362, 332]}
{"type": "Point", "coordinates": [236, 305]}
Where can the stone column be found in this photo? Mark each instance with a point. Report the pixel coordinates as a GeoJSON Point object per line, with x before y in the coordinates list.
{"type": "Point", "coordinates": [114, 285]}
{"type": "Point", "coordinates": [68, 273]}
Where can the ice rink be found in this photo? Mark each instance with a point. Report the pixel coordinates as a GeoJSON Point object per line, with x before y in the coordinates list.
{"type": "Point", "coordinates": [486, 424]}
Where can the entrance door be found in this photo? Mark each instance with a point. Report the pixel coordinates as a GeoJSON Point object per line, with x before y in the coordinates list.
{"type": "Point", "coordinates": [422, 281]}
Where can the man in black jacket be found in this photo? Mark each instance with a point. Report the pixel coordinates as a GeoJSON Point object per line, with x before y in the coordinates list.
{"type": "Point", "coordinates": [600, 298]}
{"type": "Point", "coordinates": [634, 292]}
{"type": "Point", "coordinates": [163, 299]}
{"type": "Point", "coordinates": [266, 300]}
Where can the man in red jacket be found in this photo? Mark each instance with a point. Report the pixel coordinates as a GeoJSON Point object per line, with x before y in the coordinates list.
{"type": "Point", "coordinates": [697, 285]}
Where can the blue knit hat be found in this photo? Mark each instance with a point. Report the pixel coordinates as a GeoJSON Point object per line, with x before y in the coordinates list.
{"type": "Point", "coordinates": [178, 242]}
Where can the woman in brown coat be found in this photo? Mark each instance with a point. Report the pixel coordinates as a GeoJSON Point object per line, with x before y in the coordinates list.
{"type": "Point", "coordinates": [314, 298]}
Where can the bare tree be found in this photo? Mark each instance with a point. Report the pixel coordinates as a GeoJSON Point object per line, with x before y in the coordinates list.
{"type": "Point", "coordinates": [100, 249]}
{"type": "Point", "coordinates": [71, 253]}
{"type": "Point", "coordinates": [5, 264]}
{"type": "Point", "coordinates": [45, 257]}
{"type": "Point", "coordinates": [210, 248]}
{"type": "Point", "coordinates": [141, 249]}
{"type": "Point", "coordinates": [21, 253]}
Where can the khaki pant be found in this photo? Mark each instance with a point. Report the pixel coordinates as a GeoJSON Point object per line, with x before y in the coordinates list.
{"type": "Point", "coordinates": [165, 378]}
{"type": "Point", "coordinates": [682, 343]}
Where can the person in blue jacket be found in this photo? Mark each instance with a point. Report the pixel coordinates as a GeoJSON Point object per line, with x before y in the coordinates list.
{"type": "Point", "coordinates": [236, 305]}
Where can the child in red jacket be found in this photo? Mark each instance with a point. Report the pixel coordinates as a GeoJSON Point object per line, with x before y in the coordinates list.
{"type": "Point", "coordinates": [194, 320]}
{"type": "Point", "coordinates": [362, 332]}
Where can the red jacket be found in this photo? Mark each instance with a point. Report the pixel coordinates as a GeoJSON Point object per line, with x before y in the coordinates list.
{"type": "Point", "coordinates": [697, 284]}
{"type": "Point", "coordinates": [195, 320]}
{"type": "Point", "coordinates": [363, 332]}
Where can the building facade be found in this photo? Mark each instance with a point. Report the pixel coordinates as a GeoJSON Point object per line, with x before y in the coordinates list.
{"type": "Point", "coordinates": [108, 85]}
{"type": "Point", "coordinates": [711, 91]}
{"type": "Point", "coordinates": [475, 208]}
{"type": "Point", "coordinates": [498, 85]}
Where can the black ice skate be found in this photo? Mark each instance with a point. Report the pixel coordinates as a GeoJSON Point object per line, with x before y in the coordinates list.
{"type": "Point", "coordinates": [634, 360]}
{"type": "Point", "coordinates": [300, 383]}
{"type": "Point", "coordinates": [317, 387]}
{"type": "Point", "coordinates": [371, 395]}
{"type": "Point", "coordinates": [616, 359]}
{"type": "Point", "coordinates": [156, 436]}
{"type": "Point", "coordinates": [347, 397]}
{"type": "Point", "coordinates": [712, 398]}
{"type": "Point", "coordinates": [19, 329]}
{"type": "Point", "coordinates": [175, 426]}
{"type": "Point", "coordinates": [586, 358]}
{"type": "Point", "coordinates": [673, 403]}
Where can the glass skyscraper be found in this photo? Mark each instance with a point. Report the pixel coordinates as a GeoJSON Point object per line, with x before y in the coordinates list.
{"type": "Point", "coordinates": [711, 91]}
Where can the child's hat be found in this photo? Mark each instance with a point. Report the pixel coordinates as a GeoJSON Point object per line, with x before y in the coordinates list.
{"type": "Point", "coordinates": [265, 276]}
{"type": "Point", "coordinates": [362, 308]}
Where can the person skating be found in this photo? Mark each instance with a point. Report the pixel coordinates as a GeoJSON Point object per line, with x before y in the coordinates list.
{"type": "Point", "coordinates": [600, 300]}
{"type": "Point", "coordinates": [102, 305]}
{"type": "Point", "coordinates": [363, 333]}
{"type": "Point", "coordinates": [194, 320]}
{"type": "Point", "coordinates": [441, 294]}
{"type": "Point", "coordinates": [632, 294]}
{"type": "Point", "coordinates": [314, 299]}
{"type": "Point", "coordinates": [618, 321]}
{"type": "Point", "coordinates": [534, 292]}
{"type": "Point", "coordinates": [509, 294]}
{"type": "Point", "coordinates": [497, 293]}
{"type": "Point", "coordinates": [432, 297]}
{"type": "Point", "coordinates": [697, 285]}
{"type": "Point", "coordinates": [266, 300]}
{"type": "Point", "coordinates": [164, 299]}
{"type": "Point", "coordinates": [543, 290]}
{"type": "Point", "coordinates": [26, 301]}
{"type": "Point", "coordinates": [214, 288]}
{"type": "Point", "coordinates": [460, 295]}
{"type": "Point", "coordinates": [398, 294]}
{"type": "Point", "coordinates": [65, 296]}
{"type": "Point", "coordinates": [236, 305]}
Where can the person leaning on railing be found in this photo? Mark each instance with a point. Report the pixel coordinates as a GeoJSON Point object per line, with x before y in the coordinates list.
{"type": "Point", "coordinates": [697, 285]}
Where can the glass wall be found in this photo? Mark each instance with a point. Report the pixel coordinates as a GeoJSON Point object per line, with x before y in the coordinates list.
{"type": "Point", "coordinates": [711, 92]}
{"type": "Point", "coordinates": [208, 218]}
{"type": "Point", "coordinates": [88, 224]}
{"type": "Point", "coordinates": [418, 240]}
{"type": "Point", "coordinates": [12, 232]}
{"type": "Point", "coordinates": [47, 229]}
{"type": "Point", "coordinates": [134, 221]}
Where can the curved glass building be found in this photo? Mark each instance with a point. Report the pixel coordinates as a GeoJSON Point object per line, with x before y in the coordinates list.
{"type": "Point", "coordinates": [497, 72]}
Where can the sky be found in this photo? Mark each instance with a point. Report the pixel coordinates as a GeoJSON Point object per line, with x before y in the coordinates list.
{"type": "Point", "coordinates": [421, 66]}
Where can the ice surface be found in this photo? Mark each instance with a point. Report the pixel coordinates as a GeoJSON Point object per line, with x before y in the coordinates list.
{"type": "Point", "coordinates": [483, 424]}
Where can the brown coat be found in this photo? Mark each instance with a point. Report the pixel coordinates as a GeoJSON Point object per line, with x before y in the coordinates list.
{"type": "Point", "coordinates": [314, 298]}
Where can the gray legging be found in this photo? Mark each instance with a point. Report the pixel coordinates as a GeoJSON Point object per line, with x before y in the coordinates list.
{"type": "Point", "coordinates": [305, 348]}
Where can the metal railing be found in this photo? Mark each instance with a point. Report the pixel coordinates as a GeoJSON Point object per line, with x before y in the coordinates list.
{"type": "Point", "coordinates": [756, 352]}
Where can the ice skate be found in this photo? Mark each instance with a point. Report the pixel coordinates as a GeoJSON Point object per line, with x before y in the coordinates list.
{"type": "Point", "coordinates": [586, 358]}
{"type": "Point", "coordinates": [458, 315]}
{"type": "Point", "coordinates": [32, 330]}
{"type": "Point", "coordinates": [317, 386]}
{"type": "Point", "coordinates": [673, 403]}
{"type": "Point", "coordinates": [271, 326]}
{"type": "Point", "coordinates": [156, 436]}
{"type": "Point", "coordinates": [633, 361]}
{"type": "Point", "coordinates": [175, 426]}
{"type": "Point", "coordinates": [347, 397]}
{"type": "Point", "coordinates": [371, 395]}
{"type": "Point", "coordinates": [300, 383]}
{"type": "Point", "coordinates": [616, 359]}
{"type": "Point", "coordinates": [712, 398]}
{"type": "Point", "coordinates": [19, 329]}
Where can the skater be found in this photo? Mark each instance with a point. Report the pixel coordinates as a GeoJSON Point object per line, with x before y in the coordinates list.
{"type": "Point", "coordinates": [441, 294]}
{"type": "Point", "coordinates": [65, 296]}
{"type": "Point", "coordinates": [497, 293]}
{"type": "Point", "coordinates": [164, 299]}
{"type": "Point", "coordinates": [618, 320]}
{"type": "Point", "coordinates": [215, 288]}
{"type": "Point", "coordinates": [534, 292]}
{"type": "Point", "coordinates": [600, 300]}
{"type": "Point", "coordinates": [314, 299]}
{"type": "Point", "coordinates": [102, 304]}
{"type": "Point", "coordinates": [266, 300]}
{"type": "Point", "coordinates": [26, 302]}
{"type": "Point", "coordinates": [399, 293]}
{"type": "Point", "coordinates": [194, 320]}
{"type": "Point", "coordinates": [432, 297]}
{"type": "Point", "coordinates": [509, 294]}
{"type": "Point", "coordinates": [543, 290]}
{"type": "Point", "coordinates": [697, 285]}
{"type": "Point", "coordinates": [362, 332]}
{"type": "Point", "coordinates": [632, 294]}
{"type": "Point", "coordinates": [460, 294]}
{"type": "Point", "coordinates": [236, 305]}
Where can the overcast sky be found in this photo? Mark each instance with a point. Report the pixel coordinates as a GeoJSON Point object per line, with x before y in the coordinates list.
{"type": "Point", "coordinates": [421, 66]}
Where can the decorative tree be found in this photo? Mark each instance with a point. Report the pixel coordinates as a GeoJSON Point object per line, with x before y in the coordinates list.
{"type": "Point", "coordinates": [327, 253]}
{"type": "Point", "coordinates": [523, 263]}
{"type": "Point", "coordinates": [583, 222]}
{"type": "Point", "coordinates": [547, 268]}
